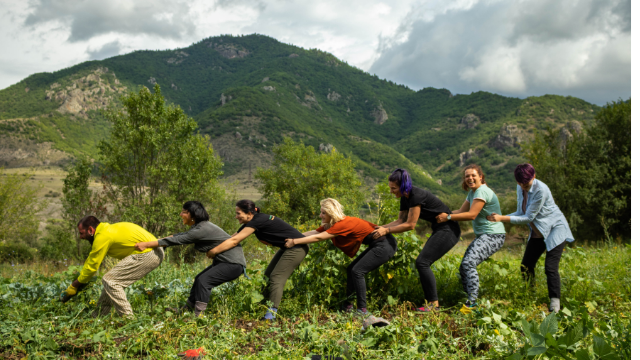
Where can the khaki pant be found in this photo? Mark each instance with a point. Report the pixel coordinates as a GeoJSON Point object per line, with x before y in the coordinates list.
{"type": "Point", "coordinates": [126, 272]}
{"type": "Point", "coordinates": [280, 269]}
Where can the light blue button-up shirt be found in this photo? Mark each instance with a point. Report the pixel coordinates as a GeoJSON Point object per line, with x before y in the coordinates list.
{"type": "Point", "coordinates": [544, 213]}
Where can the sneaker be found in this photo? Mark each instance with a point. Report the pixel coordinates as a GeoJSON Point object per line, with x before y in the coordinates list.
{"type": "Point", "coordinates": [362, 312]}
{"type": "Point", "coordinates": [468, 308]}
{"type": "Point", "coordinates": [347, 308]}
{"type": "Point", "coordinates": [271, 314]}
{"type": "Point", "coordinates": [430, 308]}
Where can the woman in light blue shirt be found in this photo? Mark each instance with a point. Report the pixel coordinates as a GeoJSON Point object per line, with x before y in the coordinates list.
{"type": "Point", "coordinates": [480, 203]}
{"type": "Point", "coordinates": [548, 229]}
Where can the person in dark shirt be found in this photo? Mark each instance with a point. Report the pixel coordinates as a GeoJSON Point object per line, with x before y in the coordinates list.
{"type": "Point", "coordinates": [226, 267]}
{"type": "Point", "coordinates": [273, 231]}
{"type": "Point", "coordinates": [418, 203]}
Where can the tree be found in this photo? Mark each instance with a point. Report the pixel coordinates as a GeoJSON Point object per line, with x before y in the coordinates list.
{"type": "Point", "coordinates": [78, 201]}
{"type": "Point", "coordinates": [19, 207]}
{"type": "Point", "coordinates": [589, 173]}
{"type": "Point", "coordinates": [300, 177]}
{"type": "Point", "coordinates": [153, 161]}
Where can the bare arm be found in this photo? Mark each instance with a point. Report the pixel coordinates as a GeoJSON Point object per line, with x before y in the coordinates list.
{"type": "Point", "coordinates": [309, 239]}
{"type": "Point", "coordinates": [461, 215]}
{"type": "Point", "coordinates": [230, 243]}
{"type": "Point", "coordinates": [407, 221]}
{"type": "Point", "coordinates": [141, 246]}
{"type": "Point", "coordinates": [309, 233]}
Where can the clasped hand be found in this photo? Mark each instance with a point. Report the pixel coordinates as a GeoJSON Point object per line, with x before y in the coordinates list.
{"type": "Point", "coordinates": [494, 217]}
{"type": "Point", "coordinates": [380, 231]}
{"type": "Point", "coordinates": [141, 246]}
{"type": "Point", "coordinates": [289, 243]}
{"type": "Point", "coordinates": [442, 217]}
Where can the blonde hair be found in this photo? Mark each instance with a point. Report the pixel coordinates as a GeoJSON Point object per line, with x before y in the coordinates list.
{"type": "Point", "coordinates": [334, 209]}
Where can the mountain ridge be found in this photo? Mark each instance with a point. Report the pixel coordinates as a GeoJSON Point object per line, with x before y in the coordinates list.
{"type": "Point", "coordinates": [247, 92]}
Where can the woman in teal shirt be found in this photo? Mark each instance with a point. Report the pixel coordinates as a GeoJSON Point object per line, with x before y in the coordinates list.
{"type": "Point", "coordinates": [480, 203]}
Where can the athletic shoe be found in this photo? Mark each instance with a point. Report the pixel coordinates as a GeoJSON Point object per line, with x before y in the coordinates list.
{"type": "Point", "coordinates": [363, 312]}
{"type": "Point", "coordinates": [426, 309]}
{"type": "Point", "coordinates": [468, 308]}
{"type": "Point", "coordinates": [347, 308]}
{"type": "Point", "coordinates": [271, 314]}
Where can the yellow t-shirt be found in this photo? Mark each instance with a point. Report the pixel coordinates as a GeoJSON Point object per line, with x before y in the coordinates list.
{"type": "Point", "coordinates": [115, 240]}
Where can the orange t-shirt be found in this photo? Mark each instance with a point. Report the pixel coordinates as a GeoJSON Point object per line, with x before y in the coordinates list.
{"type": "Point", "coordinates": [350, 232]}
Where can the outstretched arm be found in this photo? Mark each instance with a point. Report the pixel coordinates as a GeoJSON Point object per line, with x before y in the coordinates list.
{"type": "Point", "coordinates": [230, 243]}
{"type": "Point", "coordinates": [406, 221]}
{"type": "Point", "coordinates": [309, 239]}
{"type": "Point", "coordinates": [465, 213]}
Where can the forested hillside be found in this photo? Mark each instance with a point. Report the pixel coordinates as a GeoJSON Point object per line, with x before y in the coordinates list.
{"type": "Point", "coordinates": [248, 92]}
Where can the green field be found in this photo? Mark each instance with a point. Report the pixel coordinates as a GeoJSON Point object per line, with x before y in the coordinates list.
{"type": "Point", "coordinates": [594, 324]}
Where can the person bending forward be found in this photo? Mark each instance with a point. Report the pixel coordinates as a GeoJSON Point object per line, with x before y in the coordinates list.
{"type": "Point", "coordinates": [225, 267]}
{"type": "Point", "coordinates": [347, 234]}
{"type": "Point", "coordinates": [270, 230]}
{"type": "Point", "coordinates": [118, 241]}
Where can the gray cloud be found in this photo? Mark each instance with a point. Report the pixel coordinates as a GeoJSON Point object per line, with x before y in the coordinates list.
{"type": "Point", "coordinates": [90, 18]}
{"type": "Point", "coordinates": [517, 48]}
{"type": "Point", "coordinates": [106, 51]}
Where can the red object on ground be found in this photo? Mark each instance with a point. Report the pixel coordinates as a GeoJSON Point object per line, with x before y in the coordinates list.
{"type": "Point", "coordinates": [193, 354]}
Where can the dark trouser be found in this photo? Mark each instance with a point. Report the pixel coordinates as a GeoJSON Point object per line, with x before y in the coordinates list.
{"type": "Point", "coordinates": [439, 243]}
{"type": "Point", "coordinates": [214, 275]}
{"type": "Point", "coordinates": [378, 253]}
{"type": "Point", "coordinates": [280, 269]}
{"type": "Point", "coordinates": [535, 248]}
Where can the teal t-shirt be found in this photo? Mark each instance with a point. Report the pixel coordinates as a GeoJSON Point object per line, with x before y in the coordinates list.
{"type": "Point", "coordinates": [491, 205]}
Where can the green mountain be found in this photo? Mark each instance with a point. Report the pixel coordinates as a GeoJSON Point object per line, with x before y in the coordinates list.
{"type": "Point", "coordinates": [248, 92]}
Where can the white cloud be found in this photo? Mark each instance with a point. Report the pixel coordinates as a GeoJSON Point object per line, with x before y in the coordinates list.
{"type": "Point", "coordinates": [517, 48]}
{"type": "Point", "coordinates": [514, 47]}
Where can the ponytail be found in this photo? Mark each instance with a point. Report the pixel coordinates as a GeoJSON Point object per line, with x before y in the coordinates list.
{"type": "Point", "coordinates": [247, 207]}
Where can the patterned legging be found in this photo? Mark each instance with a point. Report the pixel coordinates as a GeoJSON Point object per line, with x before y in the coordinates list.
{"type": "Point", "coordinates": [480, 249]}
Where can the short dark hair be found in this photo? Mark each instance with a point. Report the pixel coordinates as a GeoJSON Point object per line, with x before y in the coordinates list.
{"type": "Point", "coordinates": [524, 173]}
{"type": "Point", "coordinates": [248, 207]}
{"type": "Point", "coordinates": [196, 210]}
{"type": "Point", "coordinates": [89, 221]}
{"type": "Point", "coordinates": [402, 178]}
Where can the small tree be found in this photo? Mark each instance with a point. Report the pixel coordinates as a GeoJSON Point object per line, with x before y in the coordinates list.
{"type": "Point", "coordinates": [300, 177]}
{"type": "Point", "coordinates": [19, 207]}
{"type": "Point", "coordinates": [78, 200]}
{"type": "Point", "coordinates": [589, 173]}
{"type": "Point", "coordinates": [154, 161]}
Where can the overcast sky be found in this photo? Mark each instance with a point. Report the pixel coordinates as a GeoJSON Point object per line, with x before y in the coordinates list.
{"type": "Point", "coordinates": [510, 47]}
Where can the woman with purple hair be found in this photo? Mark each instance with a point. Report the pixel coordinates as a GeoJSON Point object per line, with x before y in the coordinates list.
{"type": "Point", "coordinates": [418, 203]}
{"type": "Point", "coordinates": [548, 229]}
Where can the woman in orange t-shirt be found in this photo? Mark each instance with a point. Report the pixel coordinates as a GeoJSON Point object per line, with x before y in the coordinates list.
{"type": "Point", "coordinates": [348, 233]}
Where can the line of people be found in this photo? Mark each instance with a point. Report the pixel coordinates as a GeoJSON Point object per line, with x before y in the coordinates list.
{"type": "Point", "coordinates": [140, 252]}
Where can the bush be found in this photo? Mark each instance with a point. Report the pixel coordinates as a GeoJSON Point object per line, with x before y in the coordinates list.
{"type": "Point", "coordinates": [16, 252]}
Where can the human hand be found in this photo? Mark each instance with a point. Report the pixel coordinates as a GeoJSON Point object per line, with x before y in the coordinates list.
{"type": "Point", "coordinates": [380, 231]}
{"type": "Point", "coordinates": [494, 217]}
{"type": "Point", "coordinates": [211, 254]}
{"type": "Point", "coordinates": [442, 217]}
{"type": "Point", "coordinates": [68, 294]}
{"type": "Point", "coordinates": [290, 243]}
{"type": "Point", "coordinates": [140, 246]}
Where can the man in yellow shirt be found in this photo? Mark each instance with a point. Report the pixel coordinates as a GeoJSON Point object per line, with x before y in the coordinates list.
{"type": "Point", "coordinates": [118, 241]}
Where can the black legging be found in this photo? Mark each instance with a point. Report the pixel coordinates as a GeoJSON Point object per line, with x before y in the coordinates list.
{"type": "Point", "coordinates": [378, 253]}
{"type": "Point", "coordinates": [535, 248]}
{"type": "Point", "coordinates": [439, 243]}
{"type": "Point", "coordinates": [212, 276]}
